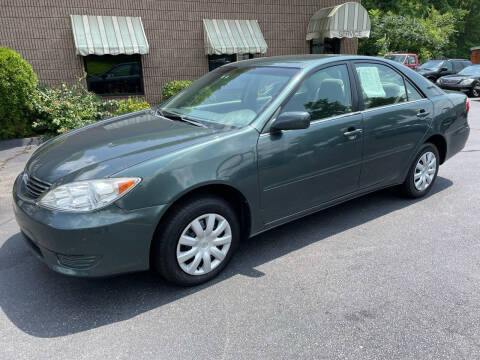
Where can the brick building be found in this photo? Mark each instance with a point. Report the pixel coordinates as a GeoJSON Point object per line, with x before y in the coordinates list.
{"type": "Point", "coordinates": [475, 55]}
{"type": "Point", "coordinates": [168, 40]}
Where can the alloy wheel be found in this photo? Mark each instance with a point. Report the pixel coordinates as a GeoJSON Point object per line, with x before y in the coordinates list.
{"type": "Point", "coordinates": [476, 91]}
{"type": "Point", "coordinates": [425, 171]}
{"type": "Point", "coordinates": [204, 244]}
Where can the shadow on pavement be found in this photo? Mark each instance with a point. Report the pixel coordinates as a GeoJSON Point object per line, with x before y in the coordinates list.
{"type": "Point", "coordinates": [45, 304]}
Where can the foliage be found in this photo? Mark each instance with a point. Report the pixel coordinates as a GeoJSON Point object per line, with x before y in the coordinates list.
{"type": "Point", "coordinates": [130, 105]}
{"type": "Point", "coordinates": [428, 37]}
{"type": "Point", "coordinates": [173, 87]}
{"type": "Point", "coordinates": [61, 109]}
{"type": "Point", "coordinates": [436, 18]}
{"type": "Point", "coordinates": [17, 85]}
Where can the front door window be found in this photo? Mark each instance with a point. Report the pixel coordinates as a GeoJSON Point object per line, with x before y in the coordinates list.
{"type": "Point", "coordinates": [324, 94]}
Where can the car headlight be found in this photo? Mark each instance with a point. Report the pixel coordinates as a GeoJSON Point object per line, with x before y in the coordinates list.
{"type": "Point", "coordinates": [439, 80]}
{"type": "Point", "coordinates": [88, 195]}
{"type": "Point", "coordinates": [467, 82]}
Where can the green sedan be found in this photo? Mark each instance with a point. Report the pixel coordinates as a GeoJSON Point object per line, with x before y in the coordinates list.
{"type": "Point", "coordinates": [245, 148]}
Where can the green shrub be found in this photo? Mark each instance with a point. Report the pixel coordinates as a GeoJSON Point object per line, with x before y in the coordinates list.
{"type": "Point", "coordinates": [130, 105]}
{"type": "Point", "coordinates": [61, 109]}
{"type": "Point", "coordinates": [173, 87]}
{"type": "Point", "coordinates": [17, 86]}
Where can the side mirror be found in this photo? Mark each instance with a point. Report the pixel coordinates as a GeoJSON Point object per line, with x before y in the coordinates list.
{"type": "Point", "coordinates": [443, 69]}
{"type": "Point", "coordinates": [292, 121]}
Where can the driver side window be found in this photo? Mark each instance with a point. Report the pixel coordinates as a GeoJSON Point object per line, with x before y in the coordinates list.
{"type": "Point", "coordinates": [324, 94]}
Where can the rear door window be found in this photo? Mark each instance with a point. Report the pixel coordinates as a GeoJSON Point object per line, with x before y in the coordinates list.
{"type": "Point", "coordinates": [380, 85]}
{"type": "Point", "coordinates": [412, 93]}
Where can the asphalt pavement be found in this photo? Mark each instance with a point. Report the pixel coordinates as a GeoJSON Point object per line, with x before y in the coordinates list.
{"type": "Point", "coordinates": [379, 277]}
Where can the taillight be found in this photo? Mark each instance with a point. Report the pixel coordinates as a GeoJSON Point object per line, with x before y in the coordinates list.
{"type": "Point", "coordinates": [467, 105]}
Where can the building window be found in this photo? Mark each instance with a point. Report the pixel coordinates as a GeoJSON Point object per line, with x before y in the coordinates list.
{"type": "Point", "coordinates": [325, 46]}
{"type": "Point", "coordinates": [114, 75]}
{"type": "Point", "coordinates": [215, 61]}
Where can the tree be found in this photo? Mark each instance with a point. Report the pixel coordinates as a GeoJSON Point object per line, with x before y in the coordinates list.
{"type": "Point", "coordinates": [428, 37]}
{"type": "Point", "coordinates": [465, 12]}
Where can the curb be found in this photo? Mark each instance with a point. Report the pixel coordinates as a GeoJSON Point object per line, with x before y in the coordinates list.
{"type": "Point", "coordinates": [13, 143]}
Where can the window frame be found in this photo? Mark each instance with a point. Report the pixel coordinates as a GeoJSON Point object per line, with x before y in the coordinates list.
{"type": "Point", "coordinates": [142, 83]}
{"type": "Point", "coordinates": [405, 78]}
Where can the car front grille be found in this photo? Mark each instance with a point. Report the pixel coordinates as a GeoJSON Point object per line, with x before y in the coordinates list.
{"type": "Point", "coordinates": [450, 82]}
{"type": "Point", "coordinates": [36, 187]}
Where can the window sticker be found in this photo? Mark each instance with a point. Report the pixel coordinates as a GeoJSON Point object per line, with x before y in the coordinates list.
{"type": "Point", "coordinates": [370, 81]}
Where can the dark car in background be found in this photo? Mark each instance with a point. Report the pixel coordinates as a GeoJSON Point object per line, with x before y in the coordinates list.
{"type": "Point", "coordinates": [467, 81]}
{"type": "Point", "coordinates": [247, 147]}
{"type": "Point", "coordinates": [433, 69]}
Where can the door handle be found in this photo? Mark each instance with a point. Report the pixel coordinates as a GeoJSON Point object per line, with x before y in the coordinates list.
{"type": "Point", "coordinates": [352, 133]}
{"type": "Point", "coordinates": [422, 113]}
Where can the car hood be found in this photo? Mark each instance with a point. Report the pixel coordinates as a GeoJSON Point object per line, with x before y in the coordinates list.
{"type": "Point", "coordinates": [109, 146]}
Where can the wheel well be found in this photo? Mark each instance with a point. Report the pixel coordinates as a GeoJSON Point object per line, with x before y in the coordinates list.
{"type": "Point", "coordinates": [441, 144]}
{"type": "Point", "coordinates": [234, 197]}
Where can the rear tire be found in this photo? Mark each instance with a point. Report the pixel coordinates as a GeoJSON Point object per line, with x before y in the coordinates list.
{"type": "Point", "coordinates": [475, 92]}
{"type": "Point", "coordinates": [422, 173]}
{"type": "Point", "coordinates": [188, 236]}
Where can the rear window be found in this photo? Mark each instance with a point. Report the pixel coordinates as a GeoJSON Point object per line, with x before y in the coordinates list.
{"type": "Point", "coordinates": [397, 58]}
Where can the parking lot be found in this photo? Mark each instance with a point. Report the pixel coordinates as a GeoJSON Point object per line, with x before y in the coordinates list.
{"type": "Point", "coordinates": [379, 277]}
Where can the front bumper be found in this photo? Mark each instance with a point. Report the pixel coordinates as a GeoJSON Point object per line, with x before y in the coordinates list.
{"type": "Point", "coordinates": [101, 243]}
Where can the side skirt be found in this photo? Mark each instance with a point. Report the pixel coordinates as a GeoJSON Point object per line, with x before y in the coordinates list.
{"type": "Point", "coordinates": [323, 206]}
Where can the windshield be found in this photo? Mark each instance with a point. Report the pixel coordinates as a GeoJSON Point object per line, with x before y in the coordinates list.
{"type": "Point", "coordinates": [431, 65]}
{"type": "Point", "coordinates": [231, 96]}
{"type": "Point", "coordinates": [397, 58]}
{"type": "Point", "coordinates": [471, 70]}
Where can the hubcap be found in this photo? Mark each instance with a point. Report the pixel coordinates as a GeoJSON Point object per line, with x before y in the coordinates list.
{"type": "Point", "coordinates": [204, 244]}
{"type": "Point", "coordinates": [425, 171]}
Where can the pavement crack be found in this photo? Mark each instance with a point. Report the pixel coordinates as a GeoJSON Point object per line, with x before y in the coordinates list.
{"type": "Point", "coordinates": [25, 150]}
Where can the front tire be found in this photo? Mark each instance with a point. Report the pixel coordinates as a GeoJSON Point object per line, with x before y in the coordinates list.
{"type": "Point", "coordinates": [196, 241]}
{"type": "Point", "coordinates": [423, 172]}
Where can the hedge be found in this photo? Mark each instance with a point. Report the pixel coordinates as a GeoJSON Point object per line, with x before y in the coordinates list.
{"type": "Point", "coordinates": [173, 87]}
{"type": "Point", "coordinates": [17, 87]}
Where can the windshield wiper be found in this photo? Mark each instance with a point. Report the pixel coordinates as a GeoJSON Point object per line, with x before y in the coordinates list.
{"type": "Point", "coordinates": [172, 116]}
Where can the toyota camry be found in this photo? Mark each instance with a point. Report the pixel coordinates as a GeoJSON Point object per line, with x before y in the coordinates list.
{"type": "Point", "coordinates": [245, 148]}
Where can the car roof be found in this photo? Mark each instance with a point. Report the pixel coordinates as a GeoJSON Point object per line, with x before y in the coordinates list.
{"type": "Point", "coordinates": [301, 61]}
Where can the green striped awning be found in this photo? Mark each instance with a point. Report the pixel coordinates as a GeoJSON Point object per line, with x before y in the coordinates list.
{"type": "Point", "coordinates": [348, 20]}
{"type": "Point", "coordinates": [114, 35]}
{"type": "Point", "coordinates": [233, 37]}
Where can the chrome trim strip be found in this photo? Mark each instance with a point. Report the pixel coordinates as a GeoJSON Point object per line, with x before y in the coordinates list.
{"type": "Point", "coordinates": [356, 113]}
{"type": "Point", "coordinates": [392, 105]}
